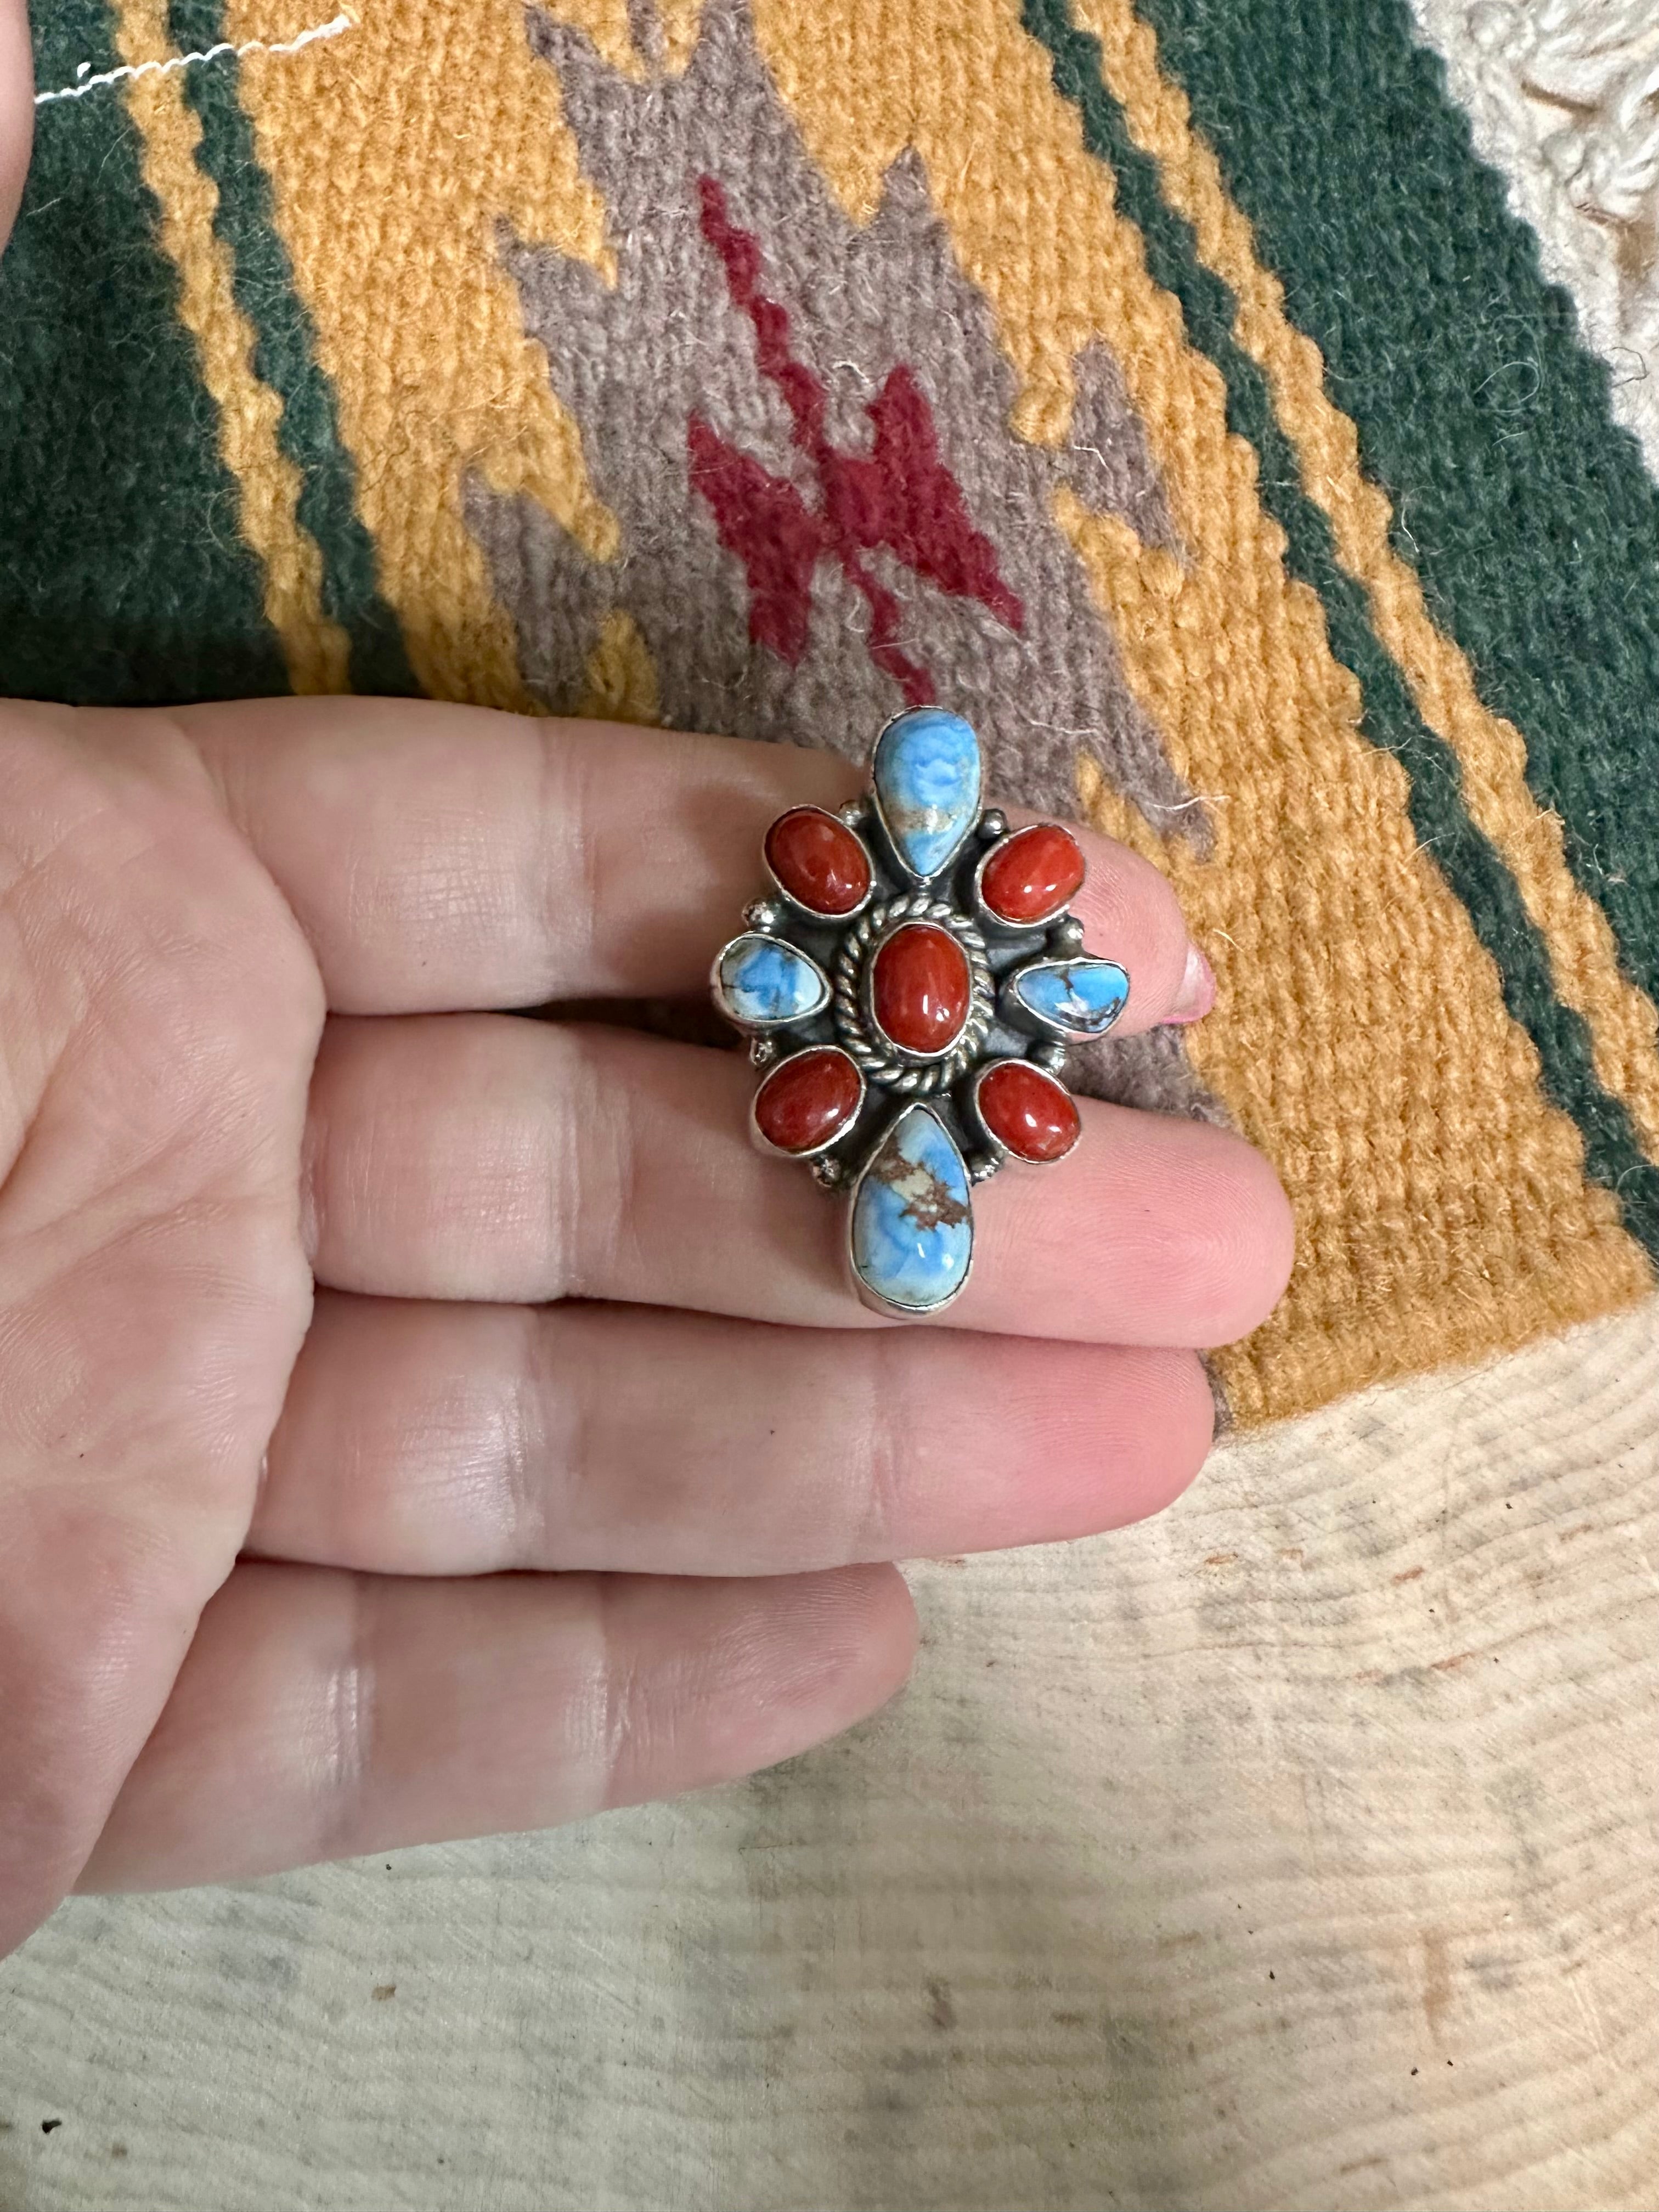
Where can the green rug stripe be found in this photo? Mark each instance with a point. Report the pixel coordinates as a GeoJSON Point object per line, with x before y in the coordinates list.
{"type": "Point", "coordinates": [1525, 508]}
{"type": "Point", "coordinates": [1467, 859]}
{"type": "Point", "coordinates": [121, 557]}
{"type": "Point", "coordinates": [285, 358]}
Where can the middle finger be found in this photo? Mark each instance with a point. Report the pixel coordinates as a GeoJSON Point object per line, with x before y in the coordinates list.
{"type": "Point", "coordinates": [491, 1156]}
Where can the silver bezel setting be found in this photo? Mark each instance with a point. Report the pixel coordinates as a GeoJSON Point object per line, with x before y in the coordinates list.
{"type": "Point", "coordinates": [909, 1074]}
{"type": "Point", "coordinates": [1015, 1010]}
{"type": "Point", "coordinates": [895, 1080]}
{"type": "Point", "coordinates": [982, 1128]}
{"type": "Point", "coordinates": [910, 874]}
{"type": "Point", "coordinates": [987, 916]}
{"type": "Point", "coordinates": [811, 914]}
{"type": "Point", "coordinates": [717, 988]}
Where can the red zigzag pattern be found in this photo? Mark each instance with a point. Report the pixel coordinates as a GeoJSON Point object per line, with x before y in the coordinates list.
{"type": "Point", "coordinates": [901, 497]}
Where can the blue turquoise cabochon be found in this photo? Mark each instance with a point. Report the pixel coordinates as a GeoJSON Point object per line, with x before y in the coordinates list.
{"type": "Point", "coordinates": [1079, 998]}
{"type": "Point", "coordinates": [913, 1225]}
{"type": "Point", "coordinates": [926, 775]}
{"type": "Point", "coordinates": [762, 983]}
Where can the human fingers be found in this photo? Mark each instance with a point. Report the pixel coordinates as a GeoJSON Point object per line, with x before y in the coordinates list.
{"type": "Point", "coordinates": [320, 1715]}
{"type": "Point", "coordinates": [438, 1439]}
{"type": "Point", "coordinates": [488, 1156]}
{"type": "Point", "coordinates": [443, 857]}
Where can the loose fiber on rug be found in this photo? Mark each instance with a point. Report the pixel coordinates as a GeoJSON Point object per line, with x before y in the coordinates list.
{"type": "Point", "coordinates": [1169, 387]}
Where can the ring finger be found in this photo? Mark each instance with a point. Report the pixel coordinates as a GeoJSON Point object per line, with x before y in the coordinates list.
{"type": "Point", "coordinates": [442, 857]}
{"type": "Point", "coordinates": [488, 1156]}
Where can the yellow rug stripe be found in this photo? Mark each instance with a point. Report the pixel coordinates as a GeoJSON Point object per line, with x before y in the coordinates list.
{"type": "Point", "coordinates": [621, 676]}
{"type": "Point", "coordinates": [1362, 1039]}
{"type": "Point", "coordinates": [1583, 955]}
{"type": "Point", "coordinates": [608, 24]}
{"type": "Point", "coordinates": [268, 484]}
{"type": "Point", "coordinates": [393, 156]}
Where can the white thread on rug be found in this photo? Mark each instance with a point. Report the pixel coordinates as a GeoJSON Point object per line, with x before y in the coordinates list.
{"type": "Point", "coordinates": [334, 28]}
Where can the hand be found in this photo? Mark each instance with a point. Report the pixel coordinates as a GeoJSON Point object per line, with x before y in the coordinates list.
{"type": "Point", "coordinates": [416, 1421]}
{"type": "Point", "coordinates": [577, 1482]}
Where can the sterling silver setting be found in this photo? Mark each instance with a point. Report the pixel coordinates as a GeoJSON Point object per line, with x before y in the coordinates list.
{"type": "Point", "coordinates": [896, 1067]}
{"type": "Point", "coordinates": [905, 1129]}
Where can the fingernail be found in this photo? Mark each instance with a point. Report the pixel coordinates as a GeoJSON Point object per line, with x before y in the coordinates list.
{"type": "Point", "coordinates": [1197, 993]}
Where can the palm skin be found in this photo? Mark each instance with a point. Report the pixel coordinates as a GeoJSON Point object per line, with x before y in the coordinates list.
{"type": "Point", "coordinates": [160, 1012]}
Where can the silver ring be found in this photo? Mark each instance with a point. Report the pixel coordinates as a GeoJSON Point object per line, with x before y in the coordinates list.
{"type": "Point", "coordinates": [909, 994]}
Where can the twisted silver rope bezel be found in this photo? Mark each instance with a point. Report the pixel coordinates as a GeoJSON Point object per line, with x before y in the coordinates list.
{"type": "Point", "coordinates": [910, 1078]}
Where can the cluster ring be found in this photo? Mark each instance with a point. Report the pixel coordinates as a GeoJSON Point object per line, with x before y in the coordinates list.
{"type": "Point", "coordinates": [893, 1068]}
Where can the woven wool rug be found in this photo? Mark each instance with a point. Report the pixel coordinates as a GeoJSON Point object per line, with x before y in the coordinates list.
{"type": "Point", "coordinates": [1168, 386]}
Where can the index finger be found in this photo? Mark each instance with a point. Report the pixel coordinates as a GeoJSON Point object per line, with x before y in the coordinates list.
{"type": "Point", "coordinates": [442, 858]}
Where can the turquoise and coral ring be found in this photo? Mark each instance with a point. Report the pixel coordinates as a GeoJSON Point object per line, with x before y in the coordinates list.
{"type": "Point", "coordinates": [909, 988]}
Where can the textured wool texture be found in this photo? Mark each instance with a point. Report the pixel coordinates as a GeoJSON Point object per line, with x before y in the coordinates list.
{"type": "Point", "coordinates": [1167, 388]}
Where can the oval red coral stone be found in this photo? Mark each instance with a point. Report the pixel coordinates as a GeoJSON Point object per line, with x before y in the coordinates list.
{"type": "Point", "coordinates": [818, 860]}
{"type": "Point", "coordinates": [1036, 1117]}
{"type": "Point", "coordinates": [920, 988]}
{"type": "Point", "coordinates": [1034, 875]}
{"type": "Point", "coordinates": [807, 1100]}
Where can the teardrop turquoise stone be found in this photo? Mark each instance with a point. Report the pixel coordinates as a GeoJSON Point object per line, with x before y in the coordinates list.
{"type": "Point", "coordinates": [913, 1223]}
{"type": "Point", "coordinates": [762, 983]}
{"type": "Point", "coordinates": [1079, 997]}
{"type": "Point", "coordinates": [926, 775]}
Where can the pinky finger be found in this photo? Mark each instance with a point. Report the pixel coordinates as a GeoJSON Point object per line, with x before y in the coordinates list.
{"type": "Point", "coordinates": [322, 1714]}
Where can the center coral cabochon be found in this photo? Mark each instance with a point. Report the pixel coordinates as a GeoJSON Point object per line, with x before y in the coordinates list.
{"type": "Point", "coordinates": [921, 988]}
